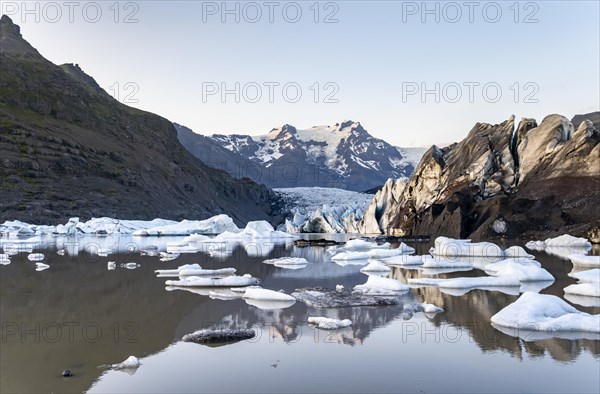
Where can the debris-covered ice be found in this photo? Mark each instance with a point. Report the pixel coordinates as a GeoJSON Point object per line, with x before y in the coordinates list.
{"type": "Point", "coordinates": [220, 336]}
{"type": "Point", "coordinates": [320, 297]}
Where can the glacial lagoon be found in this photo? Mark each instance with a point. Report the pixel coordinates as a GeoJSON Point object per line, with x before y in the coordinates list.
{"type": "Point", "coordinates": [79, 315]}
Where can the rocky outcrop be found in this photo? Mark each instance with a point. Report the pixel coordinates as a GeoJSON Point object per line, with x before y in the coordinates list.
{"type": "Point", "coordinates": [67, 148]}
{"type": "Point", "coordinates": [502, 180]}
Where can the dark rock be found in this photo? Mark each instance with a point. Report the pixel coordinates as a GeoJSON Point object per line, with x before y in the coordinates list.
{"type": "Point", "coordinates": [67, 373]}
{"type": "Point", "coordinates": [316, 242]}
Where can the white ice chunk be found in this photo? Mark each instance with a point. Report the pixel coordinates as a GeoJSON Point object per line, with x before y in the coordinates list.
{"type": "Point", "coordinates": [35, 257]}
{"type": "Point", "coordinates": [449, 247]}
{"type": "Point", "coordinates": [41, 266]}
{"type": "Point", "coordinates": [405, 260]}
{"type": "Point", "coordinates": [359, 245]}
{"type": "Point", "coordinates": [588, 286]}
{"type": "Point", "coordinates": [132, 362]}
{"type": "Point", "coordinates": [581, 260]}
{"type": "Point", "coordinates": [267, 295]}
{"type": "Point", "coordinates": [326, 323]}
{"type": "Point", "coordinates": [376, 266]}
{"type": "Point", "coordinates": [199, 281]}
{"type": "Point", "coordinates": [517, 252]}
{"type": "Point", "coordinates": [525, 269]}
{"type": "Point", "coordinates": [436, 262]}
{"type": "Point", "coordinates": [291, 262]}
{"type": "Point", "coordinates": [542, 312]}
{"type": "Point", "coordinates": [376, 285]}
{"type": "Point", "coordinates": [567, 240]}
{"type": "Point", "coordinates": [214, 225]}
{"type": "Point", "coordinates": [131, 266]}
{"type": "Point", "coordinates": [339, 288]}
{"type": "Point", "coordinates": [111, 265]}
{"type": "Point", "coordinates": [176, 271]}
{"type": "Point", "coordinates": [4, 259]}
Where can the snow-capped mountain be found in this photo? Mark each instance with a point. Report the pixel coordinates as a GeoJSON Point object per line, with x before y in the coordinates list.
{"type": "Point", "coordinates": [343, 155]}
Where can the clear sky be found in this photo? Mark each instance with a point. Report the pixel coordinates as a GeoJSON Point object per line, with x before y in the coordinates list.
{"type": "Point", "coordinates": [369, 64]}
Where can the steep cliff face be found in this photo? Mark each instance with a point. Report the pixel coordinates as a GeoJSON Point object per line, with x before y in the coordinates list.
{"type": "Point", "coordinates": [505, 181]}
{"type": "Point", "coordinates": [67, 148]}
{"type": "Point", "coordinates": [382, 208]}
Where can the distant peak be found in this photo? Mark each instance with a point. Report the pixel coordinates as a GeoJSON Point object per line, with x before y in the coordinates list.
{"type": "Point", "coordinates": [12, 41]}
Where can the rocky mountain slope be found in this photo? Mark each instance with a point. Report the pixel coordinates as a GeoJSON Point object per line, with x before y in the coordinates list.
{"type": "Point", "coordinates": [343, 156]}
{"type": "Point", "coordinates": [68, 148]}
{"type": "Point", "coordinates": [503, 179]}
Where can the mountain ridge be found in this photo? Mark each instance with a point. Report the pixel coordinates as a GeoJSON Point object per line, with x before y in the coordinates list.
{"type": "Point", "coordinates": [70, 149]}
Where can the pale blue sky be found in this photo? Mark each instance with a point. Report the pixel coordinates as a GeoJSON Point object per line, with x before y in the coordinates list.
{"type": "Point", "coordinates": [369, 53]}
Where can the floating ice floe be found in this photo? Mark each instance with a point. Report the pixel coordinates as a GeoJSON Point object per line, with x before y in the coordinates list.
{"type": "Point", "coordinates": [61, 252]}
{"type": "Point", "coordinates": [41, 266]}
{"type": "Point", "coordinates": [326, 323]}
{"type": "Point", "coordinates": [267, 295]}
{"type": "Point", "coordinates": [405, 260]}
{"type": "Point", "coordinates": [359, 245]}
{"type": "Point", "coordinates": [288, 262]}
{"type": "Point", "coordinates": [199, 281]}
{"type": "Point", "coordinates": [214, 225]}
{"type": "Point", "coordinates": [111, 265]}
{"type": "Point", "coordinates": [376, 266]}
{"type": "Point", "coordinates": [132, 362]}
{"type": "Point", "coordinates": [224, 294]}
{"type": "Point", "coordinates": [561, 246]}
{"type": "Point", "coordinates": [222, 336]}
{"type": "Point", "coordinates": [449, 247]}
{"type": "Point", "coordinates": [580, 260]}
{"type": "Point", "coordinates": [320, 297]}
{"type": "Point", "coordinates": [378, 286]}
{"type": "Point", "coordinates": [268, 299]}
{"type": "Point", "coordinates": [4, 259]}
{"type": "Point", "coordinates": [526, 270]}
{"type": "Point", "coordinates": [436, 262]}
{"type": "Point", "coordinates": [589, 283]}
{"type": "Point", "coordinates": [339, 288]}
{"type": "Point", "coordinates": [175, 272]}
{"type": "Point", "coordinates": [35, 257]}
{"type": "Point", "coordinates": [130, 266]}
{"type": "Point", "coordinates": [376, 254]}
{"type": "Point", "coordinates": [517, 252]}
{"type": "Point", "coordinates": [166, 256]}
{"type": "Point", "coordinates": [541, 312]}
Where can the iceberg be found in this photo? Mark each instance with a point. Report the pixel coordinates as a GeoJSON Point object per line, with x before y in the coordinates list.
{"type": "Point", "coordinates": [424, 307]}
{"type": "Point", "coordinates": [525, 269]}
{"type": "Point", "coordinates": [431, 262]}
{"type": "Point", "coordinates": [449, 247]}
{"type": "Point", "coordinates": [111, 265]}
{"type": "Point", "coordinates": [41, 266]}
{"type": "Point", "coordinates": [175, 272]}
{"type": "Point", "coordinates": [376, 266]}
{"type": "Point", "coordinates": [35, 257]}
{"type": "Point", "coordinates": [378, 286]}
{"type": "Point", "coordinates": [130, 266]}
{"type": "Point", "coordinates": [199, 281]}
{"type": "Point", "coordinates": [405, 260]}
{"type": "Point", "coordinates": [214, 225]}
{"type": "Point", "coordinates": [4, 259]}
{"type": "Point", "coordinates": [581, 260]}
{"type": "Point", "coordinates": [359, 245]}
{"type": "Point", "coordinates": [542, 312]}
{"type": "Point", "coordinates": [132, 362]}
{"type": "Point", "coordinates": [326, 323]}
{"type": "Point", "coordinates": [561, 246]}
{"type": "Point", "coordinates": [588, 286]}
{"type": "Point", "coordinates": [568, 240]}
{"type": "Point", "coordinates": [517, 252]}
{"type": "Point", "coordinates": [288, 262]}
{"type": "Point", "coordinates": [267, 295]}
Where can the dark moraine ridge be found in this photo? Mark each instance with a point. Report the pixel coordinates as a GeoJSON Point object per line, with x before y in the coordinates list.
{"type": "Point", "coordinates": [68, 148]}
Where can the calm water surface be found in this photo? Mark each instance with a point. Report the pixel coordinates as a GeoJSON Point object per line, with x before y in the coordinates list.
{"type": "Point", "coordinates": [80, 316]}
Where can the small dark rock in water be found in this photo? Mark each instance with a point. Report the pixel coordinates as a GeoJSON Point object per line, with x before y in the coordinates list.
{"type": "Point", "coordinates": [67, 373]}
{"type": "Point", "coordinates": [326, 298]}
{"type": "Point", "coordinates": [218, 336]}
{"type": "Point", "coordinates": [316, 242]}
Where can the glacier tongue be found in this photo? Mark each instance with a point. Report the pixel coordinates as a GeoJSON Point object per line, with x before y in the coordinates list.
{"type": "Point", "coordinates": [322, 210]}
